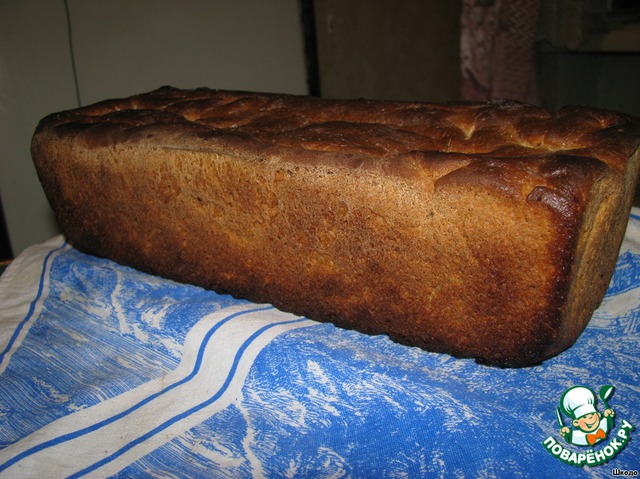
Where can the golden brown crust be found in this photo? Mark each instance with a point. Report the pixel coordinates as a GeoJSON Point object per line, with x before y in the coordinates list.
{"type": "Point", "coordinates": [472, 229]}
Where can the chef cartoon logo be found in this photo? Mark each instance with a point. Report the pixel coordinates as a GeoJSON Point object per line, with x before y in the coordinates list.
{"type": "Point", "coordinates": [591, 426]}
{"type": "Point", "coordinates": [581, 424]}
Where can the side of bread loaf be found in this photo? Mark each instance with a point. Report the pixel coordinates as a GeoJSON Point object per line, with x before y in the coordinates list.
{"type": "Point", "coordinates": [481, 230]}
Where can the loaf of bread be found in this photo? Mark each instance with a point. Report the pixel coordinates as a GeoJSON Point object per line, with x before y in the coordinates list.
{"type": "Point", "coordinates": [482, 230]}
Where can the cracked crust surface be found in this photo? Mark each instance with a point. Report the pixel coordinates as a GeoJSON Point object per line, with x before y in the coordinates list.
{"type": "Point", "coordinates": [486, 230]}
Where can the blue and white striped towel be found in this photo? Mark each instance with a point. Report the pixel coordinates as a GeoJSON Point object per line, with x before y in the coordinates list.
{"type": "Point", "coordinates": [108, 372]}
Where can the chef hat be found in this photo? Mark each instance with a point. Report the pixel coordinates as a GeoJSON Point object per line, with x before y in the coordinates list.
{"type": "Point", "coordinates": [578, 401]}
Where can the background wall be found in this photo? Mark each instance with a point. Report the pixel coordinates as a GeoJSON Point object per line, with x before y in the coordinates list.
{"type": "Point", "coordinates": [123, 47]}
{"type": "Point", "coordinates": [609, 80]}
{"type": "Point", "coordinates": [406, 50]}
{"type": "Point", "coordinates": [589, 53]}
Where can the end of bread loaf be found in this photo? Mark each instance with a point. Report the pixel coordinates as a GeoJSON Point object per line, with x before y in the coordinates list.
{"type": "Point", "coordinates": [484, 230]}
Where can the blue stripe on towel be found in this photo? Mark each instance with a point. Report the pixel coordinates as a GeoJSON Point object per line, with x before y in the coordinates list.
{"type": "Point", "coordinates": [72, 338]}
{"type": "Point", "coordinates": [191, 411]}
{"type": "Point", "coordinates": [32, 307]}
{"type": "Point", "coordinates": [196, 368]}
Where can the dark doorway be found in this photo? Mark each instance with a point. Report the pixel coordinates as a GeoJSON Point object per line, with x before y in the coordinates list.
{"type": "Point", "coordinates": [5, 245]}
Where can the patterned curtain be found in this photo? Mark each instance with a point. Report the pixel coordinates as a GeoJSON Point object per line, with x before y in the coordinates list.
{"type": "Point", "coordinates": [498, 55]}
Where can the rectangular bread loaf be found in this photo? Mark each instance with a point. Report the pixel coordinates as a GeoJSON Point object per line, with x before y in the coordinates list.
{"type": "Point", "coordinates": [483, 230]}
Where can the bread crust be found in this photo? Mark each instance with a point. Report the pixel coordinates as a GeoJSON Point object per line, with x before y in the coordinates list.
{"type": "Point", "coordinates": [483, 230]}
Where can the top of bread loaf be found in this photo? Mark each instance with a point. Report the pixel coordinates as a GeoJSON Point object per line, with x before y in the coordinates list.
{"type": "Point", "coordinates": [477, 136]}
{"type": "Point", "coordinates": [496, 129]}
